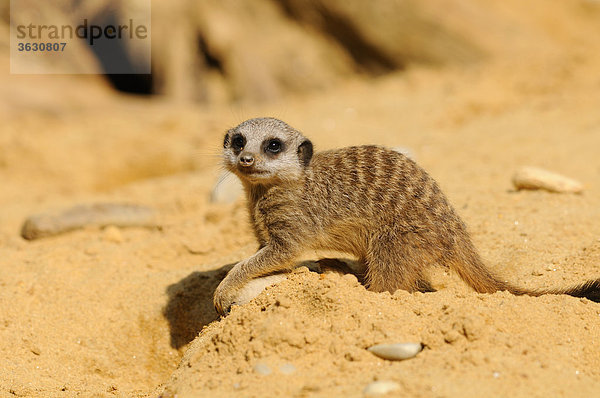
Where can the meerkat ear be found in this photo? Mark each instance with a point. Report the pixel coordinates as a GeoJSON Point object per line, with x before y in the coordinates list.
{"type": "Point", "coordinates": [226, 140]}
{"type": "Point", "coordinates": [305, 152]}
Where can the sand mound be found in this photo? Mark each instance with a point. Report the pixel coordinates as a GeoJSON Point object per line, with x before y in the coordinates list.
{"type": "Point", "coordinates": [322, 325]}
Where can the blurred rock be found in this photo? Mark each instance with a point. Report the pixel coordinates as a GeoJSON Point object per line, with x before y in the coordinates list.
{"type": "Point", "coordinates": [215, 51]}
{"type": "Point", "coordinates": [386, 35]}
{"type": "Point", "coordinates": [112, 234]}
{"type": "Point", "coordinates": [100, 215]}
{"type": "Point", "coordinates": [380, 387]}
{"type": "Point", "coordinates": [228, 189]}
{"type": "Point", "coordinates": [287, 368]}
{"type": "Point", "coordinates": [535, 178]}
{"type": "Point", "coordinates": [223, 51]}
{"type": "Point", "coordinates": [262, 53]}
{"type": "Point", "coordinates": [262, 369]}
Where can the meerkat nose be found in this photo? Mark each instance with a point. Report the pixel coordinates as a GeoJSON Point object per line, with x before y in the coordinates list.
{"type": "Point", "coordinates": [246, 160]}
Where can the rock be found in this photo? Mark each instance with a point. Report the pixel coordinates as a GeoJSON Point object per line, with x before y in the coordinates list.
{"type": "Point", "coordinates": [380, 387]}
{"type": "Point", "coordinates": [386, 35]}
{"type": "Point", "coordinates": [113, 234]}
{"type": "Point", "coordinates": [228, 189]}
{"type": "Point", "coordinates": [99, 215]}
{"type": "Point", "coordinates": [262, 369]}
{"type": "Point", "coordinates": [287, 368]}
{"type": "Point", "coordinates": [535, 178]}
{"type": "Point", "coordinates": [256, 286]}
{"type": "Point", "coordinates": [396, 352]}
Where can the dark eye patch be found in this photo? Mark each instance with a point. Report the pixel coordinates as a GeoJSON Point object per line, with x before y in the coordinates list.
{"type": "Point", "coordinates": [238, 142]}
{"type": "Point", "coordinates": [274, 146]}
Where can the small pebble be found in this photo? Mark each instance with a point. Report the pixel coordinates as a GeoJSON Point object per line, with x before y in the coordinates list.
{"type": "Point", "coordinates": [262, 369]}
{"type": "Point", "coordinates": [227, 189]}
{"type": "Point", "coordinates": [287, 368]}
{"type": "Point", "coordinates": [535, 178]}
{"type": "Point", "coordinates": [380, 387]}
{"type": "Point", "coordinates": [113, 234]}
{"type": "Point", "coordinates": [195, 246]}
{"type": "Point", "coordinates": [396, 352]}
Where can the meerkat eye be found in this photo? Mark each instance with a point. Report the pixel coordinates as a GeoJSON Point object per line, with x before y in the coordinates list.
{"type": "Point", "coordinates": [237, 142]}
{"type": "Point", "coordinates": [274, 146]}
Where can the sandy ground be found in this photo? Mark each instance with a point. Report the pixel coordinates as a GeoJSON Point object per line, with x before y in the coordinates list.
{"type": "Point", "coordinates": [128, 312]}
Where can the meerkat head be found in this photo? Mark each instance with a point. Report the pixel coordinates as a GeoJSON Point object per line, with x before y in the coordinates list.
{"type": "Point", "coordinates": [266, 151]}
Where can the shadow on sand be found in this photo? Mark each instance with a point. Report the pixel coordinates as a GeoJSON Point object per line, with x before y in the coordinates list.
{"type": "Point", "coordinates": [190, 304]}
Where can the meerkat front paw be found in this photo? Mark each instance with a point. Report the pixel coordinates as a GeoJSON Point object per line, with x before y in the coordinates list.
{"type": "Point", "coordinates": [224, 297]}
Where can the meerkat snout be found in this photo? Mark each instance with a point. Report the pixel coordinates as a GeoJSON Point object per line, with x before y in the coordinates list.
{"type": "Point", "coordinates": [246, 160]}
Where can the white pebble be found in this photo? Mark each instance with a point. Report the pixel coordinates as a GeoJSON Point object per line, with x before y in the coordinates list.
{"type": "Point", "coordinates": [396, 352]}
{"type": "Point", "coordinates": [256, 286]}
{"type": "Point", "coordinates": [113, 234]}
{"type": "Point", "coordinates": [535, 178]}
{"type": "Point", "coordinates": [287, 368]}
{"type": "Point", "coordinates": [227, 189]}
{"type": "Point", "coordinates": [380, 387]}
{"type": "Point", "coordinates": [262, 369]}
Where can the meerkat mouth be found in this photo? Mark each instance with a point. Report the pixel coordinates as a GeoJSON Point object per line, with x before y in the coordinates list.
{"type": "Point", "coordinates": [251, 171]}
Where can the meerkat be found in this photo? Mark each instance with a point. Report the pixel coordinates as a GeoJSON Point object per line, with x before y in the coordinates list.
{"type": "Point", "coordinates": [368, 201]}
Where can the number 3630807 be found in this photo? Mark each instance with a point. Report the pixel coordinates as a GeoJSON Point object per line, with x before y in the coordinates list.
{"type": "Point", "coordinates": [41, 47]}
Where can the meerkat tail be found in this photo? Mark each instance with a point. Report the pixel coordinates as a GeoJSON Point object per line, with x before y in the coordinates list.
{"type": "Point", "coordinates": [472, 270]}
{"type": "Point", "coordinates": [589, 290]}
{"type": "Point", "coordinates": [477, 276]}
{"type": "Point", "coordinates": [469, 266]}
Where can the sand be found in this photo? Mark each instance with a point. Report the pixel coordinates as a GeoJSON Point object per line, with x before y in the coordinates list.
{"type": "Point", "coordinates": [127, 312]}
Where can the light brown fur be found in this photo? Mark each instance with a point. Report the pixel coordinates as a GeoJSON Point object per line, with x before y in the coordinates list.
{"type": "Point", "coordinates": [371, 202]}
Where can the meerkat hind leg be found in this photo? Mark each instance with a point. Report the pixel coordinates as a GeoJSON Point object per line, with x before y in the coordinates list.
{"type": "Point", "coordinates": [391, 267]}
